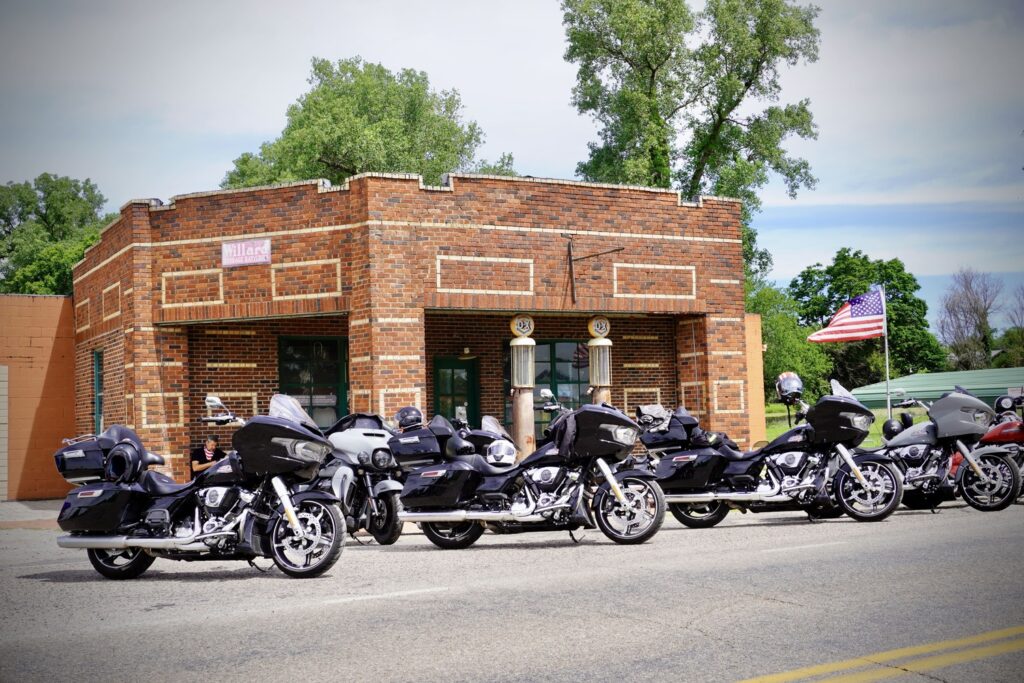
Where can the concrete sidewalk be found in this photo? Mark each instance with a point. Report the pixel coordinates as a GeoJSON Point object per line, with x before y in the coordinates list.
{"type": "Point", "coordinates": [30, 514]}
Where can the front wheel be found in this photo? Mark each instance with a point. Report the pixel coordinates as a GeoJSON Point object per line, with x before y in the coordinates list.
{"type": "Point", "coordinates": [700, 515]}
{"type": "Point", "coordinates": [636, 519]}
{"type": "Point", "coordinates": [997, 490]}
{"type": "Point", "coordinates": [875, 498]}
{"type": "Point", "coordinates": [385, 526]}
{"type": "Point", "coordinates": [453, 536]}
{"type": "Point", "coordinates": [119, 565]}
{"type": "Point", "coordinates": [317, 549]}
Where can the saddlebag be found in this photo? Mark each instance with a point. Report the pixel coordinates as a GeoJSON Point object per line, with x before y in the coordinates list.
{"type": "Point", "coordinates": [98, 507]}
{"type": "Point", "coordinates": [441, 486]}
{"type": "Point", "coordinates": [81, 462]}
{"type": "Point", "coordinates": [415, 448]}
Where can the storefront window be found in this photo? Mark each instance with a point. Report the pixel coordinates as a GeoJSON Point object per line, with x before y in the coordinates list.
{"type": "Point", "coordinates": [314, 370]}
{"type": "Point", "coordinates": [563, 366]}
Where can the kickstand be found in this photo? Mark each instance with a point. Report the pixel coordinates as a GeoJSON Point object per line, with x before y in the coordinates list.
{"type": "Point", "coordinates": [935, 511]}
{"type": "Point", "coordinates": [577, 540]}
{"type": "Point", "coordinates": [356, 538]}
{"type": "Point", "coordinates": [252, 563]}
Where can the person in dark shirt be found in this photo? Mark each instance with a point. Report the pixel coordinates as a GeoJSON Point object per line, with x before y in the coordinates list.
{"type": "Point", "coordinates": [205, 456]}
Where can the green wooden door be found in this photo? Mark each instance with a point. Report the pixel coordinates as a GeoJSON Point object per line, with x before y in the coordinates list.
{"type": "Point", "coordinates": [315, 371]}
{"type": "Point", "coordinates": [457, 389]}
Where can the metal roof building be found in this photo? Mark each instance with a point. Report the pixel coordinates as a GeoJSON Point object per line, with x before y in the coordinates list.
{"type": "Point", "coordinates": [985, 384]}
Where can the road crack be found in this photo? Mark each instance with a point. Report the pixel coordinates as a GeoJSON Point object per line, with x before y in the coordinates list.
{"type": "Point", "coordinates": [896, 667]}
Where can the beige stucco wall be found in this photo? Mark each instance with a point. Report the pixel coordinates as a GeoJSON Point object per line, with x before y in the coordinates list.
{"type": "Point", "coordinates": [755, 378]}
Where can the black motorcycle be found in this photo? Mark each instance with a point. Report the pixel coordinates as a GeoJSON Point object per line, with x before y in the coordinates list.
{"type": "Point", "coordinates": [568, 483]}
{"type": "Point", "coordinates": [809, 468]}
{"type": "Point", "coordinates": [246, 506]}
{"type": "Point", "coordinates": [363, 475]}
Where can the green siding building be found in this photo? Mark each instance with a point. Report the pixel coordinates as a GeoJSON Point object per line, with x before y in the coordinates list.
{"type": "Point", "coordinates": [985, 384]}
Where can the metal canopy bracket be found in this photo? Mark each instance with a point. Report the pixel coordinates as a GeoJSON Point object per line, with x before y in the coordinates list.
{"type": "Point", "coordinates": [573, 259]}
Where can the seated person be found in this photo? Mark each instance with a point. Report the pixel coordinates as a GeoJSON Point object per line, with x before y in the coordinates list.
{"type": "Point", "coordinates": [205, 456]}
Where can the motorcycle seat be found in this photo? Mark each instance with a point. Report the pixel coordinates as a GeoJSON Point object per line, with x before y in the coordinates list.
{"type": "Point", "coordinates": [157, 484]}
{"type": "Point", "coordinates": [733, 454]}
{"type": "Point", "coordinates": [480, 464]}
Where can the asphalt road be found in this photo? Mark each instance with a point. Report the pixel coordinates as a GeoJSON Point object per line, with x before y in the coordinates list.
{"type": "Point", "coordinates": [758, 595]}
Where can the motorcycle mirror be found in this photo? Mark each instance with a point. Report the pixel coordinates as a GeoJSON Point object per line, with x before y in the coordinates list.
{"type": "Point", "coordinates": [546, 393]}
{"type": "Point", "coordinates": [214, 402]}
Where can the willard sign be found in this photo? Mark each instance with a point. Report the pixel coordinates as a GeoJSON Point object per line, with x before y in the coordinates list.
{"type": "Point", "coordinates": [245, 253]}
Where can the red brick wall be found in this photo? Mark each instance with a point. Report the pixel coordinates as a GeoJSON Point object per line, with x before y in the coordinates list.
{"type": "Point", "coordinates": [37, 346]}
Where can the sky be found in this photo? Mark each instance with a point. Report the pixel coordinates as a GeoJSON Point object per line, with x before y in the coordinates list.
{"type": "Point", "coordinates": [919, 106]}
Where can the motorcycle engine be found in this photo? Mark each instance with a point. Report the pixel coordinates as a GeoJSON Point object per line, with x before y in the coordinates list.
{"type": "Point", "coordinates": [547, 479]}
{"type": "Point", "coordinates": [912, 455]}
{"type": "Point", "coordinates": [790, 463]}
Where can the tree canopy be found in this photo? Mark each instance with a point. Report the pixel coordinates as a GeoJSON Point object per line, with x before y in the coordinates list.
{"type": "Point", "coordinates": [689, 100]}
{"type": "Point", "coordinates": [821, 290]}
{"type": "Point", "coordinates": [45, 227]}
{"type": "Point", "coordinates": [359, 117]}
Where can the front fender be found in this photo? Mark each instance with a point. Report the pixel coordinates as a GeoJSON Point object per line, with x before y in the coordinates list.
{"type": "Point", "coordinates": [386, 486]}
{"type": "Point", "coordinates": [635, 474]}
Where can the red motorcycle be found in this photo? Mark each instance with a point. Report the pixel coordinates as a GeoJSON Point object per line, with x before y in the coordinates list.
{"type": "Point", "coordinates": [1007, 430]}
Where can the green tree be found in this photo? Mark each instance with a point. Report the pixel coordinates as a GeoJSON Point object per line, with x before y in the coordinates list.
{"type": "Point", "coordinates": [701, 118]}
{"type": "Point", "coordinates": [360, 117]}
{"type": "Point", "coordinates": [821, 290]}
{"type": "Point", "coordinates": [45, 227]}
{"type": "Point", "coordinates": [786, 345]}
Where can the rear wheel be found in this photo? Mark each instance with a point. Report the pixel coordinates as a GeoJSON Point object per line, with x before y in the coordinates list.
{"type": "Point", "coordinates": [875, 498]}
{"type": "Point", "coordinates": [638, 518]}
{"type": "Point", "coordinates": [453, 536]}
{"type": "Point", "coordinates": [319, 547]}
{"type": "Point", "coordinates": [997, 490]}
{"type": "Point", "coordinates": [699, 516]}
{"type": "Point", "coordinates": [118, 565]}
{"type": "Point", "coordinates": [385, 526]}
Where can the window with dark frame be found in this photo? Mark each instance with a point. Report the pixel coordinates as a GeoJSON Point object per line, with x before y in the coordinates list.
{"type": "Point", "coordinates": [561, 365]}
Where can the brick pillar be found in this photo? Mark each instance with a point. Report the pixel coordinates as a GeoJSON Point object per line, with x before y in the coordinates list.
{"type": "Point", "coordinates": [156, 359]}
{"type": "Point", "coordinates": [691, 364]}
{"type": "Point", "coordinates": [387, 362]}
{"type": "Point", "coordinates": [727, 386]}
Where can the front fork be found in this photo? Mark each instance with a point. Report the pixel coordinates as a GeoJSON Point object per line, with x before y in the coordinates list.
{"type": "Point", "coordinates": [289, 510]}
{"type": "Point", "coordinates": [610, 478]}
{"type": "Point", "coordinates": [847, 457]}
{"type": "Point", "coordinates": [971, 460]}
{"type": "Point", "coordinates": [371, 500]}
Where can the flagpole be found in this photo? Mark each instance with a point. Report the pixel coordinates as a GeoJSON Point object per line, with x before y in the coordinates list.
{"type": "Point", "coordinates": [885, 319]}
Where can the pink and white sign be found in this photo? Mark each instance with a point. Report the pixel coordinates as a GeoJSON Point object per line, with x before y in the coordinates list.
{"type": "Point", "coordinates": [245, 253]}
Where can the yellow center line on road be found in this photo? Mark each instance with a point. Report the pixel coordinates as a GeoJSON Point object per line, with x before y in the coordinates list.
{"type": "Point", "coordinates": [929, 663]}
{"type": "Point", "coordinates": [873, 660]}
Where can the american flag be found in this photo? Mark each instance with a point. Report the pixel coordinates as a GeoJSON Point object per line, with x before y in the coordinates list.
{"type": "Point", "coordinates": [862, 317]}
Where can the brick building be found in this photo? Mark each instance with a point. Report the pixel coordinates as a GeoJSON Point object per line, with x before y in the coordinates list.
{"type": "Point", "coordinates": [384, 292]}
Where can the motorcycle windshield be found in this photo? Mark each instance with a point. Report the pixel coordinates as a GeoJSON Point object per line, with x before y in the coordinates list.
{"type": "Point", "coordinates": [491, 424]}
{"type": "Point", "coordinates": [287, 408]}
{"type": "Point", "coordinates": [841, 391]}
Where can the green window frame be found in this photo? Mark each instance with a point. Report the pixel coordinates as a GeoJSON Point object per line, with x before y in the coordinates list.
{"type": "Point", "coordinates": [314, 369]}
{"type": "Point", "coordinates": [97, 391]}
{"type": "Point", "coordinates": [562, 365]}
{"type": "Point", "coordinates": [445, 389]}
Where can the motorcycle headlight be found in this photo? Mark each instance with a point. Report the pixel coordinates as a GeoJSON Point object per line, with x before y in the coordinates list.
{"type": "Point", "coordinates": [309, 451]}
{"type": "Point", "coordinates": [364, 458]}
{"type": "Point", "coordinates": [860, 422]}
{"type": "Point", "coordinates": [381, 459]}
{"type": "Point", "coordinates": [624, 435]}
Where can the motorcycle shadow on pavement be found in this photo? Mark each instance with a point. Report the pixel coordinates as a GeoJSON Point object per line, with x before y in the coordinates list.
{"type": "Point", "coordinates": [197, 575]}
{"type": "Point", "coordinates": [484, 545]}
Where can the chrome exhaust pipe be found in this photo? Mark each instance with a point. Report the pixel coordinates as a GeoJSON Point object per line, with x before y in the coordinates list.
{"type": "Point", "coordinates": [456, 516]}
{"type": "Point", "coordinates": [125, 542]}
{"type": "Point", "coordinates": [696, 498]}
